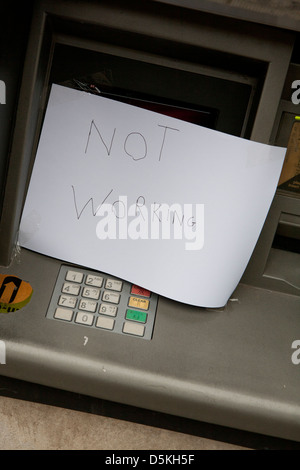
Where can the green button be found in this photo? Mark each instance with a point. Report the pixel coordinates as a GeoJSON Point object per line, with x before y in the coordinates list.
{"type": "Point", "coordinates": [136, 316]}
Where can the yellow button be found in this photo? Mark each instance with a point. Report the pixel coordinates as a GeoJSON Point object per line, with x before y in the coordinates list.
{"type": "Point", "coordinates": [138, 303]}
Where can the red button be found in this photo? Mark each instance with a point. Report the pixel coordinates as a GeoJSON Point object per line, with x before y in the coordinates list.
{"type": "Point", "coordinates": [140, 291]}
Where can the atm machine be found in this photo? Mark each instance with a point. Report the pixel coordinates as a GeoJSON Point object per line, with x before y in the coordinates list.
{"type": "Point", "coordinates": [236, 366]}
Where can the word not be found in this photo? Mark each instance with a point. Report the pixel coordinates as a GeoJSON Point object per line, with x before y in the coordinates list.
{"type": "Point", "coordinates": [2, 352]}
{"type": "Point", "coordinates": [135, 144]}
{"type": "Point", "coordinates": [2, 92]}
{"type": "Point", "coordinates": [296, 354]}
{"type": "Point", "coordinates": [296, 93]}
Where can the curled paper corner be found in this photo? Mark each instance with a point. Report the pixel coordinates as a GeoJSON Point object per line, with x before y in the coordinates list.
{"type": "Point", "coordinates": [14, 293]}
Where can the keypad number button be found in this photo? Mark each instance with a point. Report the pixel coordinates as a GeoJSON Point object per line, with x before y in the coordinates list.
{"type": "Point", "coordinates": [67, 301]}
{"type": "Point", "coordinates": [88, 305]}
{"type": "Point", "coordinates": [70, 288]}
{"type": "Point", "coordinates": [91, 292]}
{"type": "Point", "coordinates": [84, 318]}
{"type": "Point", "coordinates": [114, 284]}
{"type": "Point", "coordinates": [112, 297]}
{"type": "Point", "coordinates": [74, 276]}
{"type": "Point", "coordinates": [110, 310]}
{"type": "Point", "coordinates": [95, 281]}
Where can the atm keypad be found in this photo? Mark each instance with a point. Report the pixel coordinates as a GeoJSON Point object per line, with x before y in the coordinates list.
{"type": "Point", "coordinates": [96, 300]}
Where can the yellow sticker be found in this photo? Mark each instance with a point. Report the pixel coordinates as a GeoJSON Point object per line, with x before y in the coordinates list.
{"type": "Point", "coordinates": [14, 293]}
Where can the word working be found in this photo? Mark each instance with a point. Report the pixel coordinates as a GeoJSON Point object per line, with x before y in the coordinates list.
{"type": "Point", "coordinates": [119, 220]}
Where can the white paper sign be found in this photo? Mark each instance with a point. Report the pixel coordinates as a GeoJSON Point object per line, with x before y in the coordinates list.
{"type": "Point", "coordinates": [168, 205]}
